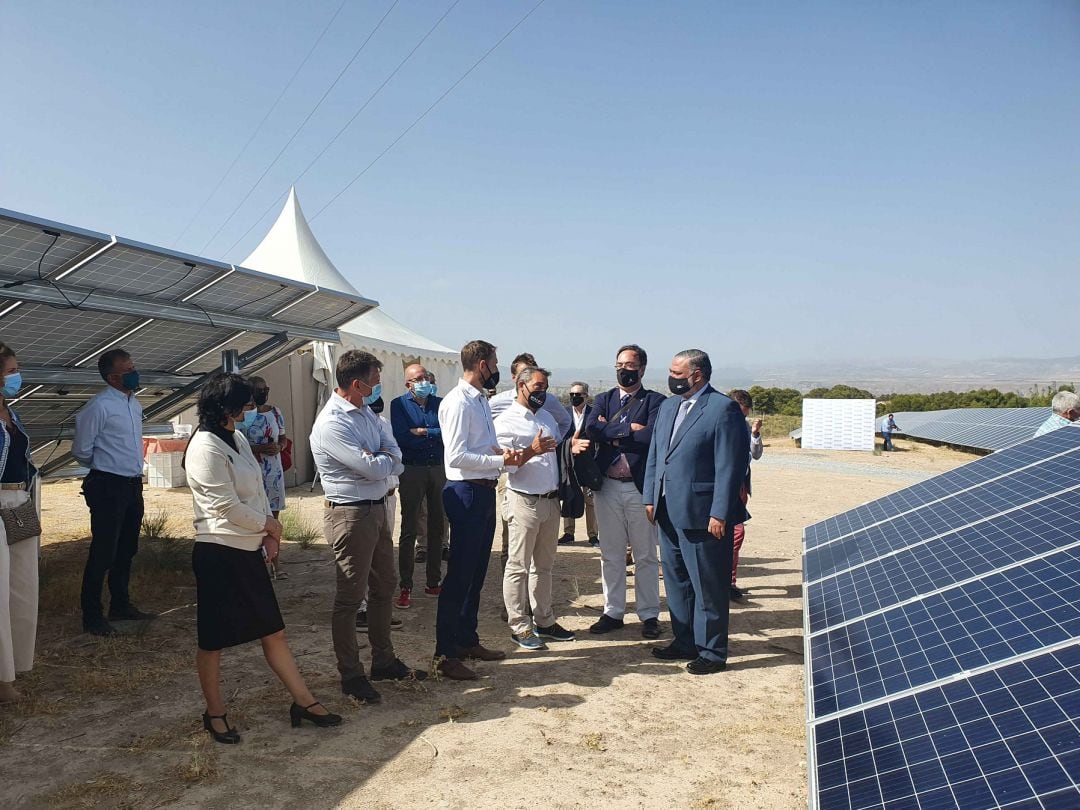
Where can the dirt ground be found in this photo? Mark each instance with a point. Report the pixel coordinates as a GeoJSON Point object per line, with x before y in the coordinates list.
{"type": "Point", "coordinates": [597, 722]}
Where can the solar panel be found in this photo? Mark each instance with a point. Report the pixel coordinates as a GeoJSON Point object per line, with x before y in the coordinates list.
{"type": "Point", "coordinates": [69, 294]}
{"type": "Point", "coordinates": [943, 639]}
{"type": "Point", "coordinates": [978, 428]}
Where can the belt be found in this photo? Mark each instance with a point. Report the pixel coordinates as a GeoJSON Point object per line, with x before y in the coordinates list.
{"type": "Point", "coordinates": [624, 480]}
{"type": "Point", "coordinates": [549, 495]}
{"type": "Point", "coordinates": [332, 505]}
{"type": "Point", "coordinates": [134, 479]}
{"type": "Point", "coordinates": [13, 485]}
{"type": "Point", "coordinates": [486, 483]}
{"type": "Point", "coordinates": [429, 463]}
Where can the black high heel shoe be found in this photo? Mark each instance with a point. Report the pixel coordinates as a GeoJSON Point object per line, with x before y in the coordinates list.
{"type": "Point", "coordinates": [298, 713]}
{"type": "Point", "coordinates": [228, 737]}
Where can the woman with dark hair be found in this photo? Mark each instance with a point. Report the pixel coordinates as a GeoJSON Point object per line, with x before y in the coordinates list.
{"type": "Point", "coordinates": [234, 528]}
{"type": "Point", "coordinates": [18, 557]}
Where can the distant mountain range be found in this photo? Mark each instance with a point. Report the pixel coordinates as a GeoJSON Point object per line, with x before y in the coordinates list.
{"type": "Point", "coordinates": [910, 376]}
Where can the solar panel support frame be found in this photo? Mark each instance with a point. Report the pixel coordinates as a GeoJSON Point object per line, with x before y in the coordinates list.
{"type": "Point", "coordinates": [64, 375]}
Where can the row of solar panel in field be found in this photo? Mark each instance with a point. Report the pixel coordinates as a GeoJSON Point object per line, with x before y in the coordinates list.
{"type": "Point", "coordinates": [975, 571]}
{"type": "Point", "coordinates": [979, 428]}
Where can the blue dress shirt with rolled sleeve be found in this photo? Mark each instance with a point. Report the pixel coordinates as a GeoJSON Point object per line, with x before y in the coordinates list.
{"type": "Point", "coordinates": [354, 452]}
{"type": "Point", "coordinates": [407, 413]}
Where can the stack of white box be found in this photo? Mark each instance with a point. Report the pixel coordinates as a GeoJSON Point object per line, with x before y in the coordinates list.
{"type": "Point", "coordinates": [163, 470]}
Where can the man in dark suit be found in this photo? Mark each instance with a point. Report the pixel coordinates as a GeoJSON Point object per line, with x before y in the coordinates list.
{"type": "Point", "coordinates": [695, 469]}
{"type": "Point", "coordinates": [621, 426]}
{"type": "Point", "coordinates": [579, 411]}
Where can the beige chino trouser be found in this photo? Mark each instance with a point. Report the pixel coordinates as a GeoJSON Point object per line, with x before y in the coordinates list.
{"type": "Point", "coordinates": [534, 538]}
{"type": "Point", "coordinates": [364, 553]}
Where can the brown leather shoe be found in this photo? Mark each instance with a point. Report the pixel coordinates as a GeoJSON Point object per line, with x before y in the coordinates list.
{"type": "Point", "coordinates": [453, 669]}
{"type": "Point", "coordinates": [482, 653]}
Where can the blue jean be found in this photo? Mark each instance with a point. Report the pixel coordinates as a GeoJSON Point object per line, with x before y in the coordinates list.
{"type": "Point", "coordinates": [471, 511]}
{"type": "Point", "coordinates": [697, 575]}
{"type": "Point", "coordinates": [888, 440]}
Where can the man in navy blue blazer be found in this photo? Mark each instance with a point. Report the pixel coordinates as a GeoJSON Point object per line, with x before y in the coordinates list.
{"type": "Point", "coordinates": [621, 426]}
{"type": "Point", "coordinates": [696, 465]}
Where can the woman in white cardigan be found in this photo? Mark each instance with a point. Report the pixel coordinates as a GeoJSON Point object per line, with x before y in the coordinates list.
{"type": "Point", "coordinates": [234, 529]}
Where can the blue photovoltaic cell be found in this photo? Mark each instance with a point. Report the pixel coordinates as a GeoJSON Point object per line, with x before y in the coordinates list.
{"type": "Point", "coordinates": [969, 626]}
{"type": "Point", "coordinates": [924, 567]}
{"type": "Point", "coordinates": [941, 486]}
{"type": "Point", "coordinates": [1047, 479]}
{"type": "Point", "coordinates": [1004, 738]}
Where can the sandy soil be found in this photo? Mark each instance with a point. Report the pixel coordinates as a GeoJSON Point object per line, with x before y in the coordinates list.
{"type": "Point", "coordinates": [594, 722]}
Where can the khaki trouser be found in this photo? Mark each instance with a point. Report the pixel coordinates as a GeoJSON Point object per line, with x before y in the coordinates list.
{"type": "Point", "coordinates": [569, 523]}
{"type": "Point", "coordinates": [364, 552]}
{"type": "Point", "coordinates": [534, 537]}
{"type": "Point", "coordinates": [18, 596]}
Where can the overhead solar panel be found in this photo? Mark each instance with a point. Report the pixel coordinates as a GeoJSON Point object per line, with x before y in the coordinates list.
{"type": "Point", "coordinates": [943, 639]}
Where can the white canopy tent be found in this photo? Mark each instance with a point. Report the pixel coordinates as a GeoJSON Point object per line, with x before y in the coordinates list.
{"type": "Point", "coordinates": [290, 249]}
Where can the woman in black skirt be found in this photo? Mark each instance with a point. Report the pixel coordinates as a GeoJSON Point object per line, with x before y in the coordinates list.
{"type": "Point", "coordinates": [234, 529]}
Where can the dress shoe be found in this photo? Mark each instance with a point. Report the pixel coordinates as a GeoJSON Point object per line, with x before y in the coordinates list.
{"type": "Point", "coordinates": [605, 624]}
{"type": "Point", "coordinates": [736, 594]}
{"type": "Point", "coordinates": [98, 627]}
{"type": "Point", "coordinates": [594, 541]}
{"type": "Point", "coordinates": [397, 671]}
{"type": "Point", "coordinates": [130, 613]}
{"type": "Point", "coordinates": [566, 540]}
{"type": "Point", "coordinates": [9, 694]}
{"type": "Point", "coordinates": [360, 688]}
{"type": "Point", "coordinates": [453, 669]}
{"type": "Point", "coordinates": [703, 666]}
{"type": "Point", "coordinates": [650, 629]}
{"type": "Point", "coordinates": [672, 653]}
{"type": "Point", "coordinates": [482, 653]}
{"type": "Point", "coordinates": [298, 713]}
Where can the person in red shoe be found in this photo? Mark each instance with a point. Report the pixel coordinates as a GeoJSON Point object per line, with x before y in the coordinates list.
{"type": "Point", "coordinates": [414, 417]}
{"type": "Point", "coordinates": [356, 455]}
{"type": "Point", "coordinates": [746, 404]}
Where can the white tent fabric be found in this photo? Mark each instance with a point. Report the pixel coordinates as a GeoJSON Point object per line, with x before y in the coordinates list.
{"type": "Point", "coordinates": [290, 249]}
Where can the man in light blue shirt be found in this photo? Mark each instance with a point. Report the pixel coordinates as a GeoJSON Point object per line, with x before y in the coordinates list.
{"type": "Point", "coordinates": [356, 455]}
{"type": "Point", "coordinates": [108, 440]}
{"type": "Point", "coordinates": [1066, 410]}
{"type": "Point", "coordinates": [888, 425]}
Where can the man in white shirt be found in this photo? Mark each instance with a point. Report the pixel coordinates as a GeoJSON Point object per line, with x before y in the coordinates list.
{"type": "Point", "coordinates": [473, 461]}
{"type": "Point", "coordinates": [108, 440]}
{"type": "Point", "coordinates": [357, 459]}
{"type": "Point", "coordinates": [580, 411]}
{"type": "Point", "coordinates": [532, 500]}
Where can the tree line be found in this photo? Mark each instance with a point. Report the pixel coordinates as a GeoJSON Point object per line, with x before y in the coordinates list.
{"type": "Point", "coordinates": [788, 401]}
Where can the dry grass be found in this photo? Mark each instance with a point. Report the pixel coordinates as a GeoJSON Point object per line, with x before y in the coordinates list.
{"type": "Point", "coordinates": [778, 426]}
{"type": "Point", "coordinates": [452, 714]}
{"type": "Point", "coordinates": [594, 742]}
{"type": "Point", "coordinates": [203, 764]}
{"type": "Point", "coordinates": [107, 789]}
{"type": "Point", "coordinates": [300, 529]}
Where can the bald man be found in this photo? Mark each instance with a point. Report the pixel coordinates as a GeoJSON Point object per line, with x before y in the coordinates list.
{"type": "Point", "coordinates": [414, 418]}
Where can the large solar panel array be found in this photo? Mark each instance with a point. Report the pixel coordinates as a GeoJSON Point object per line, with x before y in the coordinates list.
{"type": "Point", "coordinates": [67, 294]}
{"type": "Point", "coordinates": [943, 639]}
{"type": "Point", "coordinates": [978, 428]}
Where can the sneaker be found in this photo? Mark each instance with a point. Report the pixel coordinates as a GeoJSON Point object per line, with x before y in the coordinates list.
{"type": "Point", "coordinates": [360, 688]}
{"type": "Point", "coordinates": [556, 633]}
{"type": "Point", "coordinates": [361, 620]}
{"type": "Point", "coordinates": [397, 671]}
{"type": "Point", "coordinates": [434, 590]}
{"type": "Point", "coordinates": [594, 541]}
{"type": "Point", "coordinates": [421, 555]}
{"type": "Point", "coordinates": [605, 624]}
{"type": "Point", "coordinates": [405, 600]}
{"type": "Point", "coordinates": [566, 540]}
{"type": "Point", "coordinates": [528, 641]}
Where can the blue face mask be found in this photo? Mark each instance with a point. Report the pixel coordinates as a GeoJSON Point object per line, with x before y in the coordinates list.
{"type": "Point", "coordinates": [376, 392]}
{"type": "Point", "coordinates": [130, 380]}
{"type": "Point", "coordinates": [12, 384]}
{"type": "Point", "coordinates": [423, 389]}
{"type": "Point", "coordinates": [248, 417]}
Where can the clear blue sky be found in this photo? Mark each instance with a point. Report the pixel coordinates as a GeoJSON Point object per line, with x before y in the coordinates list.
{"type": "Point", "coordinates": [772, 182]}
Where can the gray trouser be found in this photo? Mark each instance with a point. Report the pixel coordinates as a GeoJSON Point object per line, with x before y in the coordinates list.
{"type": "Point", "coordinates": [534, 537]}
{"type": "Point", "coordinates": [417, 483]}
{"type": "Point", "coordinates": [622, 522]}
{"type": "Point", "coordinates": [364, 553]}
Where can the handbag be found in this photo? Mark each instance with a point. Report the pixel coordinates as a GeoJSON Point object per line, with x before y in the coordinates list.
{"type": "Point", "coordinates": [286, 455]}
{"type": "Point", "coordinates": [21, 522]}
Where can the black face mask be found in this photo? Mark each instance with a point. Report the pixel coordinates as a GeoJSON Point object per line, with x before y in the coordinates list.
{"type": "Point", "coordinates": [537, 400]}
{"type": "Point", "coordinates": [577, 400]}
{"type": "Point", "coordinates": [628, 377]}
{"type": "Point", "coordinates": [260, 397]}
{"type": "Point", "coordinates": [492, 382]}
{"type": "Point", "coordinates": [679, 385]}
{"type": "Point", "coordinates": [376, 406]}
